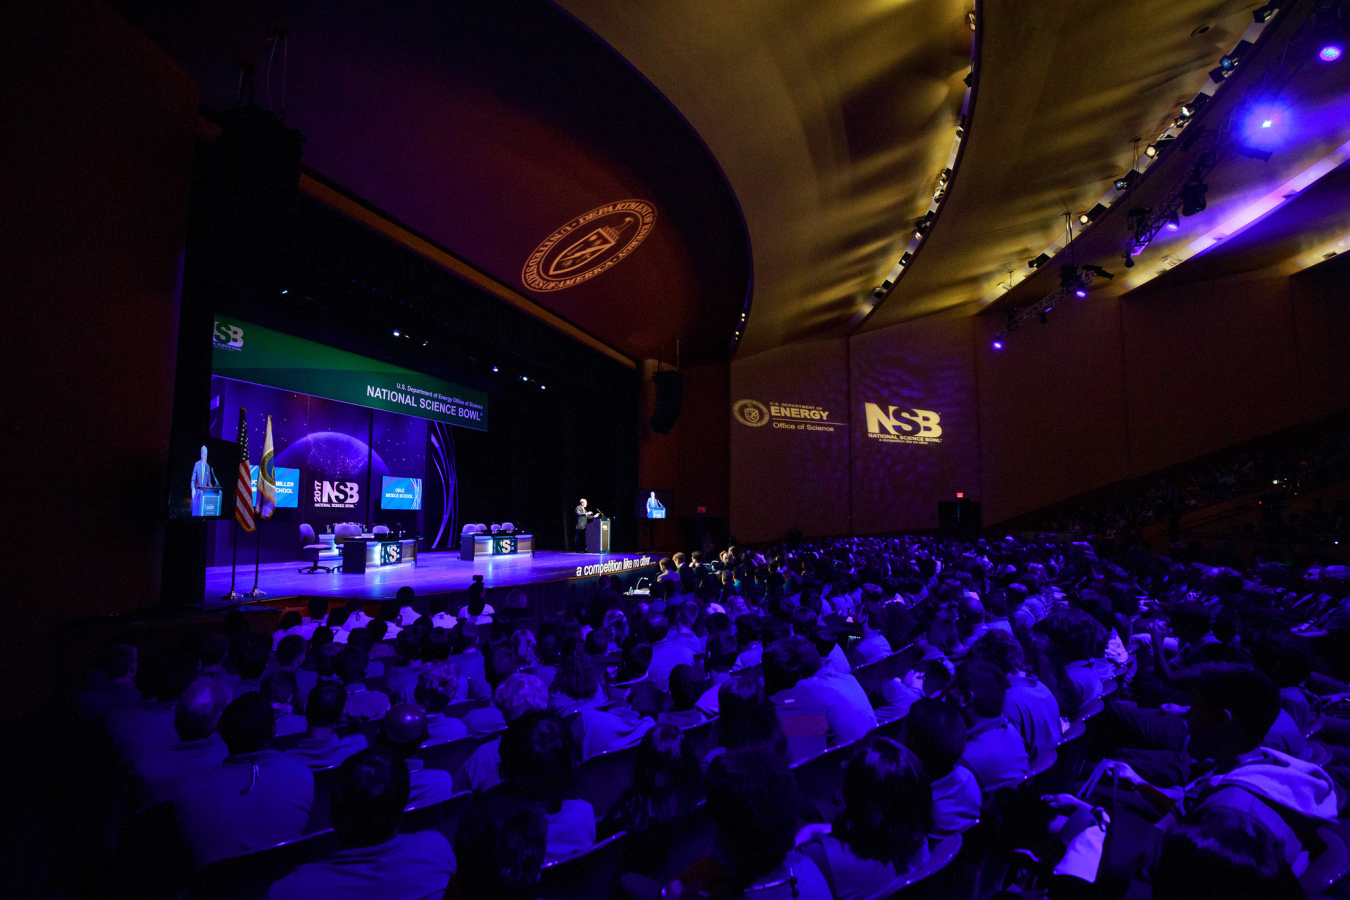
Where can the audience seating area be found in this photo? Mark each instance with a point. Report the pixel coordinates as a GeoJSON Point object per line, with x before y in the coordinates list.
{"type": "Point", "coordinates": [1040, 695]}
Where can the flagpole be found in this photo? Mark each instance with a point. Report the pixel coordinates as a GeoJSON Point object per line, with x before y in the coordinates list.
{"type": "Point", "coordinates": [234, 558]}
{"type": "Point", "coordinates": [257, 556]}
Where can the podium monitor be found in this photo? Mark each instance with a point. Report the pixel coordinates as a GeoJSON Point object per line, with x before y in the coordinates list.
{"type": "Point", "coordinates": [656, 503]}
{"type": "Point", "coordinates": [202, 475]}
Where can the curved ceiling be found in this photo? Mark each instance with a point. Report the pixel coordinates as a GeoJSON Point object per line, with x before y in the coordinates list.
{"type": "Point", "coordinates": [831, 118]}
{"type": "Point", "coordinates": [489, 128]}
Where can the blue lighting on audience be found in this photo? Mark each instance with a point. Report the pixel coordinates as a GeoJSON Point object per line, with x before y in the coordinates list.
{"type": "Point", "coordinates": [1330, 53]}
{"type": "Point", "coordinates": [1266, 126]}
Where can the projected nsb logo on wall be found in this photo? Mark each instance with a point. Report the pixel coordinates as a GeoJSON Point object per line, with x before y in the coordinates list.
{"type": "Point", "coordinates": [897, 425]}
{"type": "Point", "coordinates": [336, 494]}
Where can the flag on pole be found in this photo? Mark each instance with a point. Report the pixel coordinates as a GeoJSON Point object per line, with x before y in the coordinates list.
{"type": "Point", "coordinates": [243, 486]}
{"type": "Point", "coordinates": [267, 477]}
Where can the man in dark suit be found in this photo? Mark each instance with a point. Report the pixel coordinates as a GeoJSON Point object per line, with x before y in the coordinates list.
{"type": "Point", "coordinates": [584, 515]}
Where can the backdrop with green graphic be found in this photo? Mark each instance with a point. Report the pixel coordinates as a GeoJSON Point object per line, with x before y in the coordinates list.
{"type": "Point", "coordinates": [249, 352]}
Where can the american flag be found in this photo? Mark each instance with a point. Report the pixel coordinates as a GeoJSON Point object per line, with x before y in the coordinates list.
{"type": "Point", "coordinates": [243, 488]}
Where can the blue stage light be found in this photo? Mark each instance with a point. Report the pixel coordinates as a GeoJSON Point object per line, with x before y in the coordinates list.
{"type": "Point", "coordinates": [1267, 126]}
{"type": "Point", "coordinates": [998, 345]}
{"type": "Point", "coordinates": [1330, 53]}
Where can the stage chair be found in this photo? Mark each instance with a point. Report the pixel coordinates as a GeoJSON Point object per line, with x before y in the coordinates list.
{"type": "Point", "coordinates": [443, 817]}
{"type": "Point", "coordinates": [602, 778]}
{"type": "Point", "coordinates": [321, 813]}
{"type": "Point", "coordinates": [450, 756]}
{"type": "Point", "coordinates": [311, 550]}
{"type": "Point", "coordinates": [592, 874]}
{"type": "Point", "coordinates": [1090, 709]}
{"type": "Point", "coordinates": [821, 777]}
{"type": "Point", "coordinates": [248, 877]}
{"type": "Point", "coordinates": [912, 885]}
{"type": "Point", "coordinates": [380, 529]}
{"type": "Point", "coordinates": [1331, 865]}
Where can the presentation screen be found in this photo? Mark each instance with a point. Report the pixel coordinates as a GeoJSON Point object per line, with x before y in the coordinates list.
{"type": "Point", "coordinates": [287, 479]}
{"type": "Point", "coordinates": [655, 503]}
{"type": "Point", "coordinates": [400, 493]}
{"type": "Point", "coordinates": [202, 476]}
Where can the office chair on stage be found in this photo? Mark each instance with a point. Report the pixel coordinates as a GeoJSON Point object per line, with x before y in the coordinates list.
{"type": "Point", "coordinates": [311, 551]}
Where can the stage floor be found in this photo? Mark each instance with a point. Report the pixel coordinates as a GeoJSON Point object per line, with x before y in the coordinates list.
{"type": "Point", "coordinates": [436, 572]}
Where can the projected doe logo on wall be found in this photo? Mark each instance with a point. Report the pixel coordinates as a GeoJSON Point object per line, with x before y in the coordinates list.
{"type": "Point", "coordinates": [588, 245]}
{"type": "Point", "coordinates": [913, 426]}
{"type": "Point", "coordinates": [781, 415]}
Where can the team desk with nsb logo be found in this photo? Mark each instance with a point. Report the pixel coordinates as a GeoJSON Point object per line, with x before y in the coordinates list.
{"type": "Point", "coordinates": [370, 552]}
{"type": "Point", "coordinates": [472, 546]}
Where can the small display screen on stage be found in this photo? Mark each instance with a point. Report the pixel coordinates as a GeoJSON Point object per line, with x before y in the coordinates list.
{"type": "Point", "coordinates": [401, 493]}
{"type": "Point", "coordinates": [203, 473]}
{"type": "Point", "coordinates": [287, 479]}
{"type": "Point", "coordinates": [655, 503]}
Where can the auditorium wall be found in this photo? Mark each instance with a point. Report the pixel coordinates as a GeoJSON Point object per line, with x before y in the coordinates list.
{"type": "Point", "coordinates": [95, 165]}
{"type": "Point", "coordinates": [1108, 389]}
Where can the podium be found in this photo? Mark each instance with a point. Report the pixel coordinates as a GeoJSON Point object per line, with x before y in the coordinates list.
{"type": "Point", "coordinates": [597, 536]}
{"type": "Point", "coordinates": [207, 502]}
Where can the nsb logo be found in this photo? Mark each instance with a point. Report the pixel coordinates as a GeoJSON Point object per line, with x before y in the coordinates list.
{"type": "Point", "coordinates": [919, 426]}
{"type": "Point", "coordinates": [336, 493]}
{"type": "Point", "coordinates": [227, 337]}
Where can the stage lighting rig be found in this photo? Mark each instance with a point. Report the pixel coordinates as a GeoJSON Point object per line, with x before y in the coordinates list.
{"type": "Point", "coordinates": [1098, 272]}
{"type": "Point", "coordinates": [1123, 182]}
{"type": "Point", "coordinates": [1193, 197]}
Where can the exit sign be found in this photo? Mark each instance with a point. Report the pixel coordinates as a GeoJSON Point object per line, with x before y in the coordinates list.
{"type": "Point", "coordinates": [702, 510]}
{"type": "Point", "coordinates": [960, 495]}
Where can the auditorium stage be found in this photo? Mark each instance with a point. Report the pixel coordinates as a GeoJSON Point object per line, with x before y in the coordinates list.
{"type": "Point", "coordinates": [436, 572]}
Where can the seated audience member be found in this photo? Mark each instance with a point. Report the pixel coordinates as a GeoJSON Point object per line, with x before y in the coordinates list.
{"type": "Point", "coordinates": [500, 847]}
{"type": "Point", "coordinates": [927, 678]}
{"type": "Point", "coordinates": [575, 685]}
{"type": "Point", "coordinates": [438, 684]}
{"type": "Point", "coordinates": [251, 656]}
{"type": "Point", "coordinates": [538, 765]}
{"type": "Point", "coordinates": [803, 716]}
{"type": "Point", "coordinates": [388, 614]}
{"type": "Point", "coordinates": [403, 669]}
{"type": "Point", "coordinates": [667, 788]}
{"type": "Point", "coordinates": [748, 718]}
{"type": "Point", "coordinates": [488, 719]}
{"type": "Point", "coordinates": [471, 662]}
{"type": "Point", "coordinates": [936, 733]}
{"type": "Point", "coordinates": [117, 689]}
{"type": "Point", "coordinates": [279, 689]}
{"type": "Point", "coordinates": [290, 624]}
{"type": "Point", "coordinates": [748, 639]}
{"type": "Point", "coordinates": [685, 689]}
{"type": "Point", "coordinates": [379, 639]}
{"type": "Point", "coordinates": [1223, 854]}
{"type": "Point", "coordinates": [1028, 705]}
{"type": "Point", "coordinates": [403, 731]}
{"type": "Point", "coordinates": [356, 615]}
{"type": "Point", "coordinates": [847, 707]}
{"type": "Point", "coordinates": [517, 695]}
{"type": "Point", "coordinates": [687, 617]}
{"type": "Point", "coordinates": [326, 661]}
{"type": "Point", "coordinates": [994, 749]}
{"type": "Point", "coordinates": [364, 639]}
{"type": "Point", "coordinates": [477, 610]}
{"type": "Point", "coordinates": [753, 802]}
{"type": "Point", "coordinates": [1287, 660]}
{"type": "Point", "coordinates": [882, 832]}
{"type": "Point", "coordinates": [369, 796]}
{"type": "Point", "coordinates": [1075, 640]}
{"type": "Point", "coordinates": [290, 658]}
{"type": "Point", "coordinates": [148, 727]}
{"type": "Point", "coordinates": [874, 645]}
{"type": "Point", "coordinates": [215, 655]}
{"type": "Point", "coordinates": [721, 658]}
{"type": "Point", "coordinates": [199, 747]}
{"type": "Point", "coordinates": [321, 748]}
{"type": "Point", "coordinates": [668, 651]}
{"type": "Point", "coordinates": [318, 612]}
{"type": "Point", "coordinates": [634, 662]}
{"type": "Point", "coordinates": [1232, 709]}
{"type": "Point", "coordinates": [362, 705]}
{"type": "Point", "coordinates": [254, 798]}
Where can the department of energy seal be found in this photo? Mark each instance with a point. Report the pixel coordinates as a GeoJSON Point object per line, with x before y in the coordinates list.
{"type": "Point", "coordinates": [588, 245]}
{"type": "Point", "coordinates": [750, 412]}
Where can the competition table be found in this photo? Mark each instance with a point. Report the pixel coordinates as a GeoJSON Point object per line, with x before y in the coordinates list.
{"type": "Point", "coordinates": [368, 551]}
{"type": "Point", "coordinates": [472, 546]}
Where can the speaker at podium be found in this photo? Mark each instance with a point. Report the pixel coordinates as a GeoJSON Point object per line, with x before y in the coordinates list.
{"type": "Point", "coordinates": [597, 535]}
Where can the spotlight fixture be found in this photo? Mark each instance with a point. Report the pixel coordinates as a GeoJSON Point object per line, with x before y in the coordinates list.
{"type": "Point", "coordinates": [396, 334]}
{"type": "Point", "coordinates": [970, 78]}
{"type": "Point", "coordinates": [1173, 221]}
{"type": "Point", "coordinates": [1010, 320]}
{"type": "Point", "coordinates": [1193, 198]}
{"type": "Point", "coordinates": [1124, 181]}
{"type": "Point", "coordinates": [1157, 147]}
{"type": "Point", "coordinates": [1068, 276]}
{"type": "Point", "coordinates": [285, 292]}
{"type": "Point", "coordinates": [1193, 107]}
{"type": "Point", "coordinates": [970, 19]}
{"type": "Point", "coordinates": [1099, 272]}
{"type": "Point", "coordinates": [905, 258]}
{"type": "Point", "coordinates": [886, 285]}
{"type": "Point", "coordinates": [1092, 214]}
{"type": "Point", "coordinates": [921, 225]}
{"type": "Point", "coordinates": [1044, 320]}
{"type": "Point", "coordinates": [1129, 259]}
{"type": "Point", "coordinates": [1263, 14]}
{"type": "Point", "coordinates": [1329, 53]}
{"type": "Point", "coordinates": [1039, 261]}
{"type": "Point", "coordinates": [494, 368]}
{"type": "Point", "coordinates": [998, 345]}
